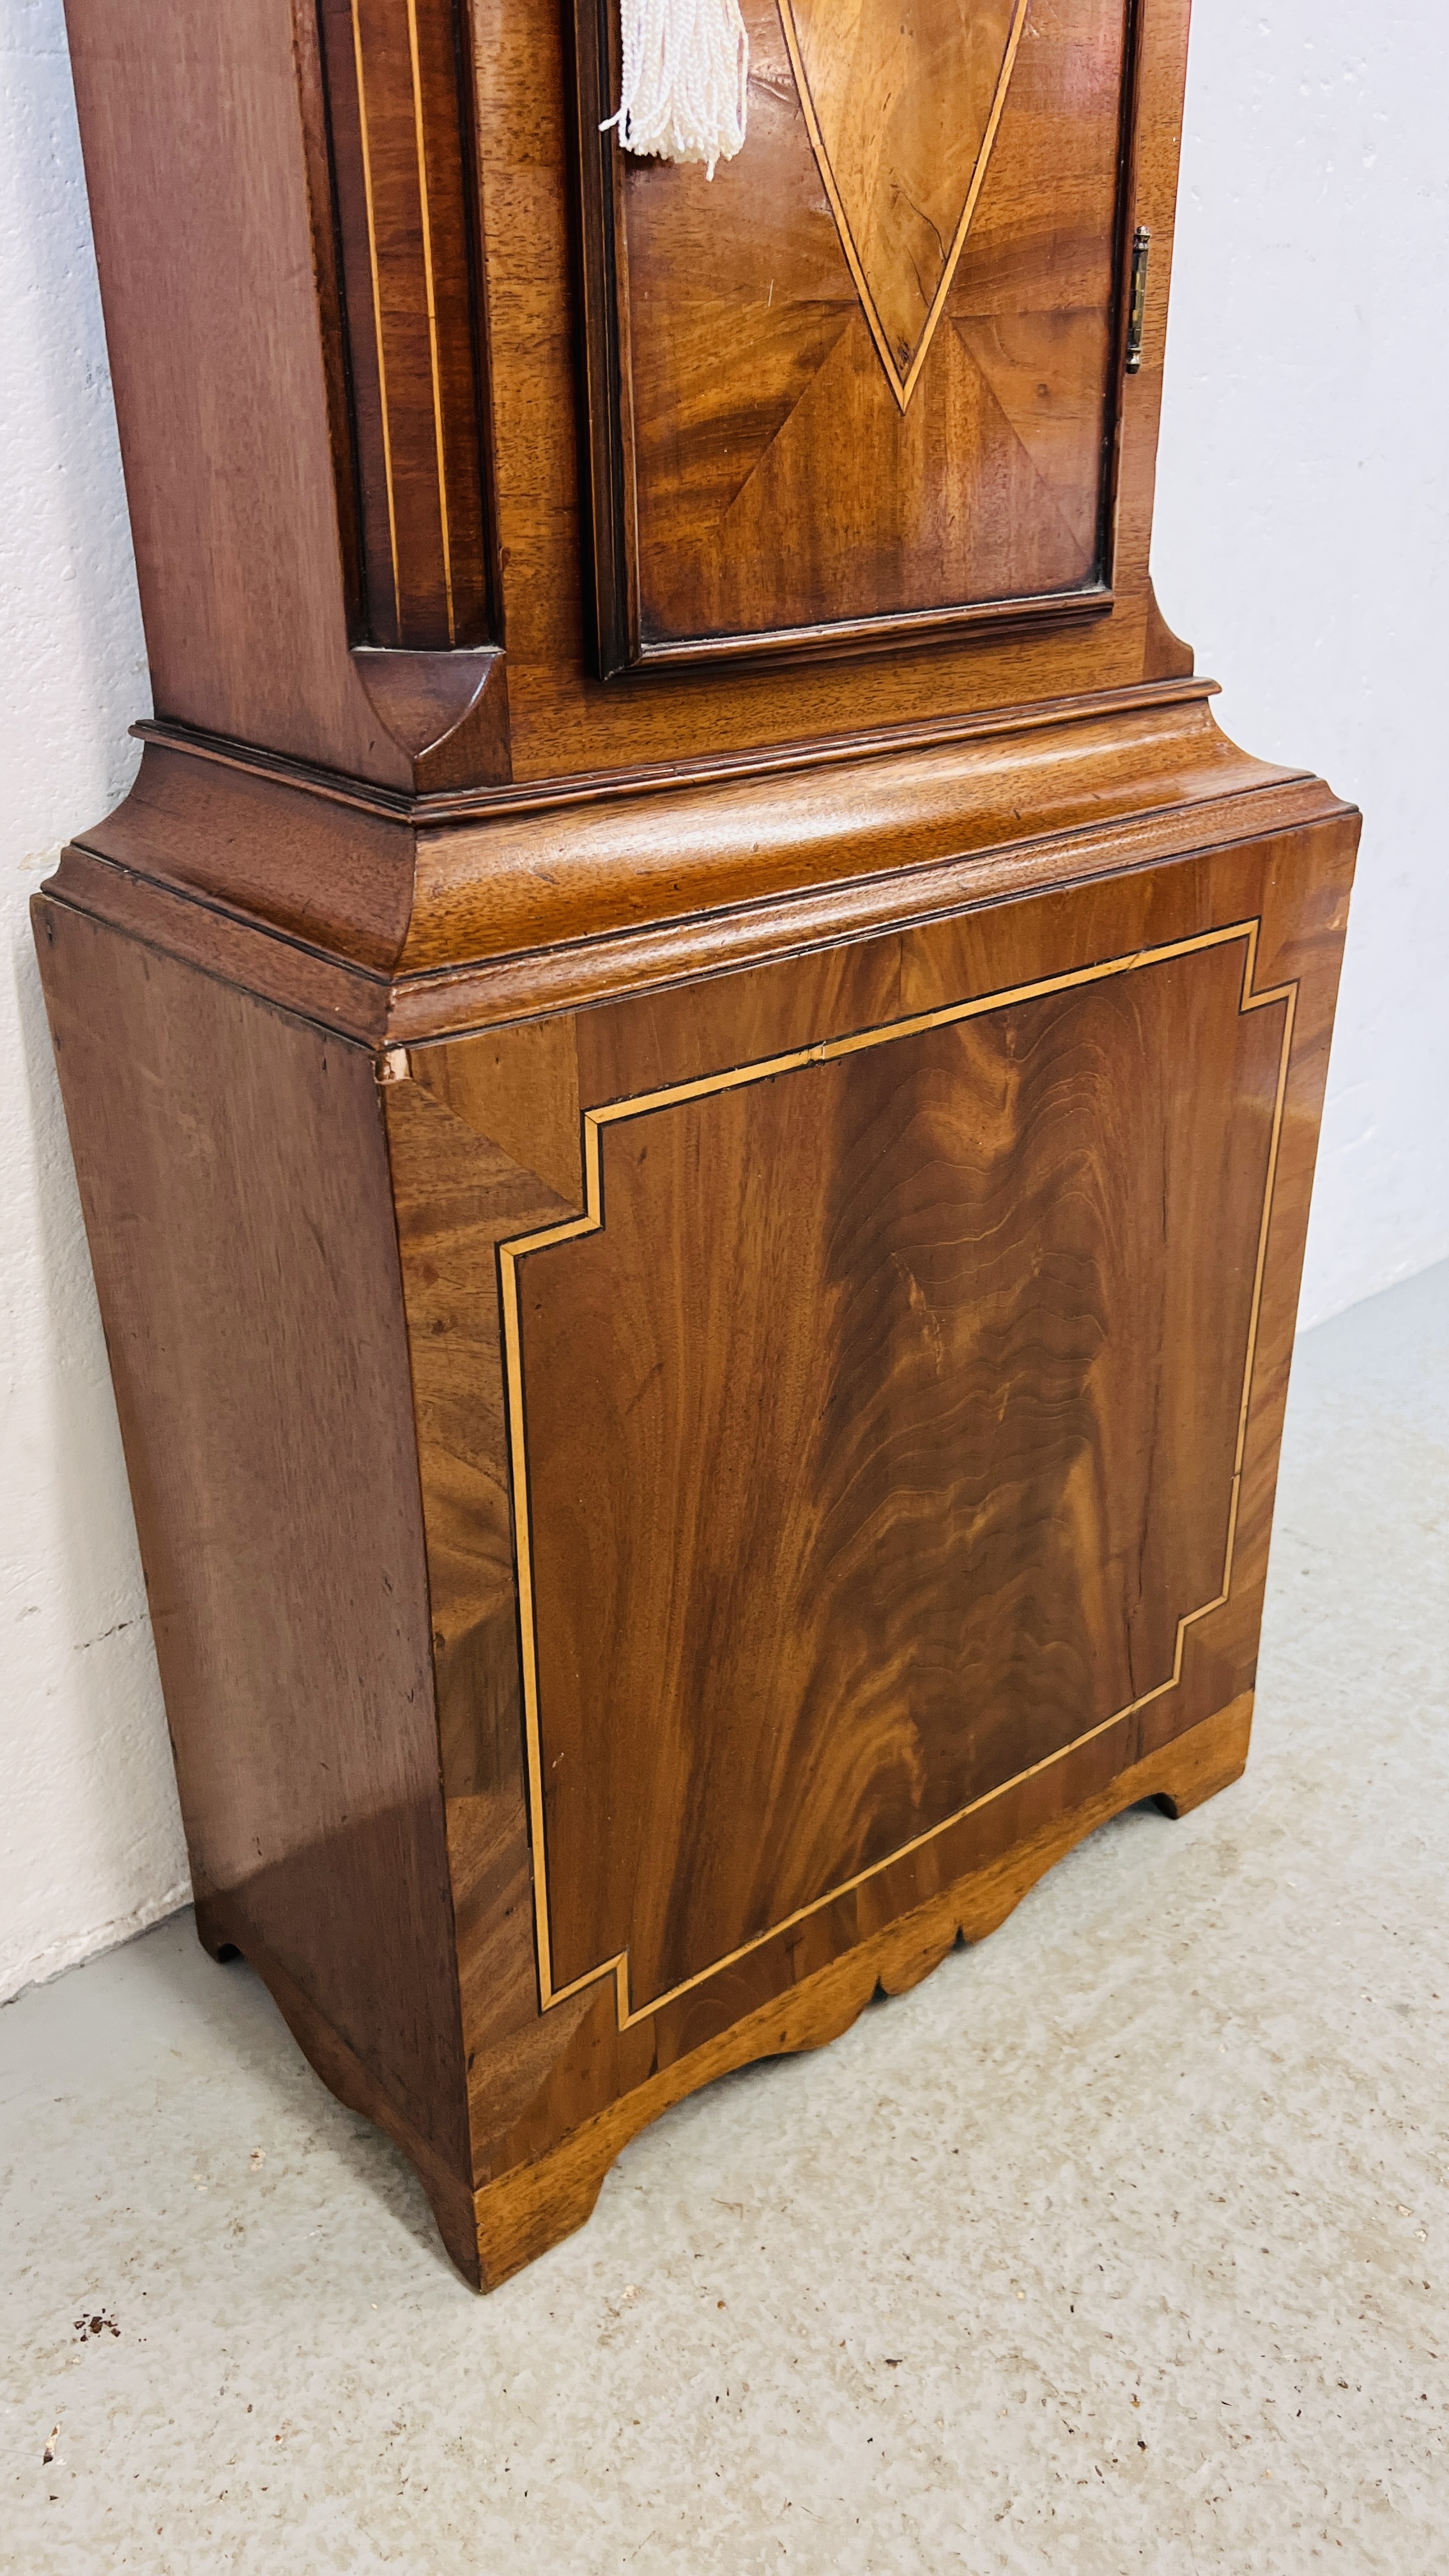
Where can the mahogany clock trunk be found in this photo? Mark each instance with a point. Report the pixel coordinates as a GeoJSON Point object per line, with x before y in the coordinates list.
{"type": "Point", "coordinates": [694, 1069]}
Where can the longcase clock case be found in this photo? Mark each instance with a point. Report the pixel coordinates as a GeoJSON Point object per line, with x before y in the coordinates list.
{"type": "Point", "coordinates": [694, 1068]}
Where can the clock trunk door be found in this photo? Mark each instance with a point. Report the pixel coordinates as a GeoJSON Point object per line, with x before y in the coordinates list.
{"type": "Point", "coordinates": [861, 385]}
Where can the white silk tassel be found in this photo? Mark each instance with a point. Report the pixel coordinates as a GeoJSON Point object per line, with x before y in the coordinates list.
{"type": "Point", "coordinates": [682, 94]}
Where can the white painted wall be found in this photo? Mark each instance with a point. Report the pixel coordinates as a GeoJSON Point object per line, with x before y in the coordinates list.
{"type": "Point", "coordinates": [90, 1836]}
{"type": "Point", "coordinates": [1302, 530]}
{"type": "Point", "coordinates": [1303, 544]}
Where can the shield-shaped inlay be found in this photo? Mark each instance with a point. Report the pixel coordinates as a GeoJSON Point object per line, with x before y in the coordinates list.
{"type": "Point", "coordinates": [903, 99]}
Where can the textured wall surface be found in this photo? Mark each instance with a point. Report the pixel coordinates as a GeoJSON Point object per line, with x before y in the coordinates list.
{"type": "Point", "coordinates": [1303, 541]}
{"type": "Point", "coordinates": [1302, 532]}
{"type": "Point", "coordinates": [90, 1838]}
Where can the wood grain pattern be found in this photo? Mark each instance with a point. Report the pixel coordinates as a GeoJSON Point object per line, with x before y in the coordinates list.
{"type": "Point", "coordinates": [234, 1178]}
{"type": "Point", "coordinates": [847, 1502]}
{"type": "Point", "coordinates": [800, 447]}
{"type": "Point", "coordinates": [588, 891]}
{"type": "Point", "coordinates": [554, 704]}
{"type": "Point", "coordinates": [406, 194]}
{"type": "Point", "coordinates": [201, 176]}
{"type": "Point", "coordinates": [539, 878]}
{"type": "Point", "coordinates": [902, 107]}
{"type": "Point", "coordinates": [456, 1189]}
{"type": "Point", "coordinates": [211, 200]}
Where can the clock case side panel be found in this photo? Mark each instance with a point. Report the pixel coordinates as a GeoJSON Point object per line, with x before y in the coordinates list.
{"type": "Point", "coordinates": [235, 1187]}
{"type": "Point", "coordinates": [1153, 71]}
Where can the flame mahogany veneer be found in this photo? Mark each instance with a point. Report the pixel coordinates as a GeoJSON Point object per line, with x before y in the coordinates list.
{"type": "Point", "coordinates": [694, 1069]}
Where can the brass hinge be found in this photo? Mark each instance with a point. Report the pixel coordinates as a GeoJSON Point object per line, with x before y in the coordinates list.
{"type": "Point", "coordinates": [1137, 307]}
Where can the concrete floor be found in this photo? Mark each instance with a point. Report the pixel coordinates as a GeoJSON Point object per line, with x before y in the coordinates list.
{"type": "Point", "coordinates": [1122, 2243]}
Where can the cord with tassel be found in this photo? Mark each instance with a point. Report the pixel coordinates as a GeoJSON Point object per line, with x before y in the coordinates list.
{"type": "Point", "coordinates": [682, 94]}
